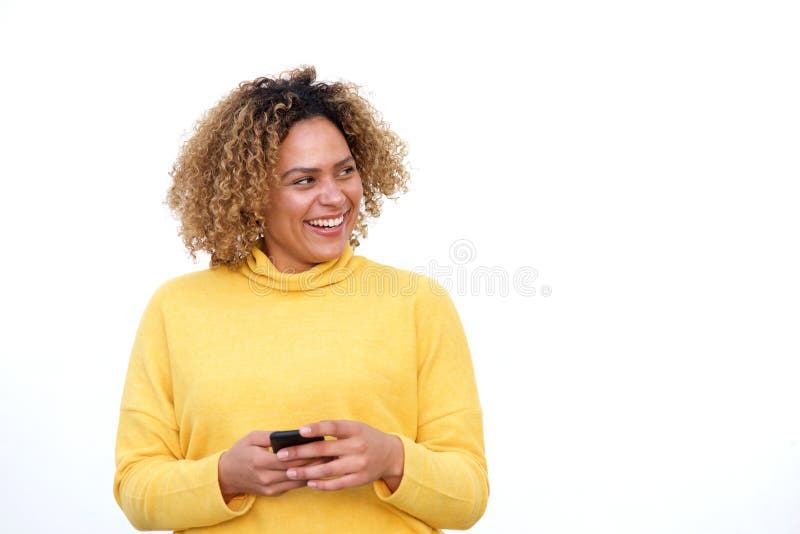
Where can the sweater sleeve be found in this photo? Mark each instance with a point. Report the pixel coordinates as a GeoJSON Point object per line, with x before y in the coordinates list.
{"type": "Point", "coordinates": [154, 485]}
{"type": "Point", "coordinates": [445, 481]}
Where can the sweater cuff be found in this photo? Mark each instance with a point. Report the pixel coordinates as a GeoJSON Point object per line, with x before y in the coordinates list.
{"type": "Point", "coordinates": [414, 471]}
{"type": "Point", "coordinates": [237, 506]}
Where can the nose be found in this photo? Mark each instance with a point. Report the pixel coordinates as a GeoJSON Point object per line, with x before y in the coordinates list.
{"type": "Point", "coordinates": [331, 193]}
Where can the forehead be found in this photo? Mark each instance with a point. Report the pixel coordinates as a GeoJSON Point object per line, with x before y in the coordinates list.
{"type": "Point", "coordinates": [314, 142]}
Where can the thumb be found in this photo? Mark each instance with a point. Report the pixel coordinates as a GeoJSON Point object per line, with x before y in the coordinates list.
{"type": "Point", "coordinates": [259, 438]}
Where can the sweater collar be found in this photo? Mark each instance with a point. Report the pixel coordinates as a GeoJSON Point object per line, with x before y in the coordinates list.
{"type": "Point", "coordinates": [263, 276]}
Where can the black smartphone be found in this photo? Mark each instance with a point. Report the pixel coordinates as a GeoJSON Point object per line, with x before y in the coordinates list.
{"type": "Point", "coordinates": [289, 438]}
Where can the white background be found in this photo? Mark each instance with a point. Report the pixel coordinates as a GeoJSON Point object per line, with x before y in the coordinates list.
{"type": "Point", "coordinates": [641, 156]}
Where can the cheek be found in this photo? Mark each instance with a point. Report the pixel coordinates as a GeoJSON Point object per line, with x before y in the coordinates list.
{"type": "Point", "coordinates": [355, 192]}
{"type": "Point", "coordinates": [285, 209]}
{"type": "Point", "coordinates": [355, 198]}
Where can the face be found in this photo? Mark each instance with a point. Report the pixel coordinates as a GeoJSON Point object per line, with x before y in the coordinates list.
{"type": "Point", "coordinates": [313, 208]}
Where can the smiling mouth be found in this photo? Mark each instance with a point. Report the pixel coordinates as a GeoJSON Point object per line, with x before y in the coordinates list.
{"type": "Point", "coordinates": [325, 226]}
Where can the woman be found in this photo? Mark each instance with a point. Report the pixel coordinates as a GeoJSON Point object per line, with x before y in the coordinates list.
{"type": "Point", "coordinates": [289, 329]}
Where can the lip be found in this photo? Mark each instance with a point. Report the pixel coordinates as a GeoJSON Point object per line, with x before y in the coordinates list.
{"type": "Point", "coordinates": [334, 216]}
{"type": "Point", "coordinates": [328, 232]}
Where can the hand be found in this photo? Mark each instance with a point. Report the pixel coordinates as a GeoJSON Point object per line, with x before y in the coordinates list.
{"type": "Point", "coordinates": [248, 467]}
{"type": "Point", "coordinates": [361, 454]}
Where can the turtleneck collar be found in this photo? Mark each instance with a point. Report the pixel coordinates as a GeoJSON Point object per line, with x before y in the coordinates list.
{"type": "Point", "coordinates": [263, 276]}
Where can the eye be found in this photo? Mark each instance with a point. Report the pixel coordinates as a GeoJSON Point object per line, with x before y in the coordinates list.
{"type": "Point", "coordinates": [303, 181]}
{"type": "Point", "coordinates": [347, 171]}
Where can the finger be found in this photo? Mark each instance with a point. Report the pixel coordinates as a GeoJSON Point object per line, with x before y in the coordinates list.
{"type": "Point", "coordinates": [346, 481]}
{"type": "Point", "coordinates": [328, 469]}
{"type": "Point", "coordinates": [335, 468]}
{"type": "Point", "coordinates": [268, 477]}
{"type": "Point", "coordinates": [339, 429]}
{"type": "Point", "coordinates": [304, 462]}
{"type": "Point", "coordinates": [317, 449]}
{"type": "Point", "coordinates": [260, 438]}
{"type": "Point", "coordinates": [270, 461]}
{"type": "Point", "coordinates": [279, 488]}
{"type": "Point", "coordinates": [286, 459]}
{"type": "Point", "coordinates": [277, 462]}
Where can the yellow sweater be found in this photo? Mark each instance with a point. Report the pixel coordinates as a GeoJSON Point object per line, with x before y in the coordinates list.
{"type": "Point", "coordinates": [220, 353]}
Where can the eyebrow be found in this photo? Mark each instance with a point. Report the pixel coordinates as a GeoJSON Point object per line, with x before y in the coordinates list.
{"type": "Point", "coordinates": [311, 170]}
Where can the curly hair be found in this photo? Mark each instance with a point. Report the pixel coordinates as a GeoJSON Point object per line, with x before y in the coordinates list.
{"type": "Point", "coordinates": [222, 177]}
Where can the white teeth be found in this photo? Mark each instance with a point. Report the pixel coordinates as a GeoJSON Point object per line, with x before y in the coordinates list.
{"type": "Point", "coordinates": [330, 223]}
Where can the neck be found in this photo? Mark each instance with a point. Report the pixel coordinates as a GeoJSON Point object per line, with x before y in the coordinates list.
{"type": "Point", "coordinates": [286, 267]}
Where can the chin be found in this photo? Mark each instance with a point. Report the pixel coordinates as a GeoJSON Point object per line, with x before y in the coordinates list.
{"type": "Point", "coordinates": [331, 252]}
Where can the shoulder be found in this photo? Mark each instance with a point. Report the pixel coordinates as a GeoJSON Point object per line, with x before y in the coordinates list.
{"type": "Point", "coordinates": [402, 282]}
{"type": "Point", "coordinates": [199, 285]}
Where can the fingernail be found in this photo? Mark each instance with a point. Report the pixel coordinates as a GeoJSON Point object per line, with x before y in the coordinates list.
{"type": "Point", "coordinates": [283, 454]}
{"type": "Point", "coordinates": [305, 430]}
{"type": "Point", "coordinates": [291, 473]}
{"type": "Point", "coordinates": [312, 484]}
